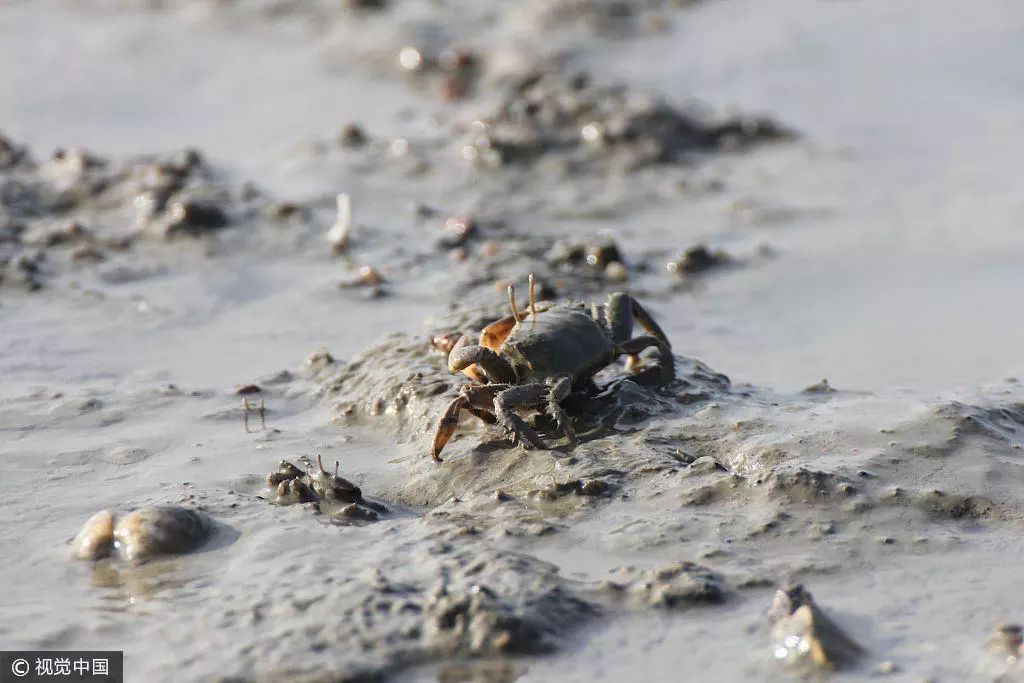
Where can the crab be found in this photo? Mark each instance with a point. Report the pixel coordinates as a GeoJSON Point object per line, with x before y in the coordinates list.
{"type": "Point", "coordinates": [533, 360]}
{"type": "Point", "coordinates": [331, 493]}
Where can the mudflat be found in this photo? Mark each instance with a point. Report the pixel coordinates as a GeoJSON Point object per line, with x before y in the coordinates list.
{"type": "Point", "coordinates": [238, 241]}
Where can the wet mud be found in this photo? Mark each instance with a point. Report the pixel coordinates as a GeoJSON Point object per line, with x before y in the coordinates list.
{"type": "Point", "coordinates": [243, 365]}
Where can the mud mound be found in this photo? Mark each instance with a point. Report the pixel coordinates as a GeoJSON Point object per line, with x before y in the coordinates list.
{"type": "Point", "coordinates": [438, 596]}
{"type": "Point", "coordinates": [77, 207]}
{"type": "Point", "coordinates": [583, 123]}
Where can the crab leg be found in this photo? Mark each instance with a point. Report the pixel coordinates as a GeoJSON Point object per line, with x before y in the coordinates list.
{"type": "Point", "coordinates": [496, 368]}
{"type": "Point", "coordinates": [522, 396]}
{"type": "Point", "coordinates": [559, 390]}
{"type": "Point", "coordinates": [622, 310]}
{"type": "Point", "coordinates": [641, 315]}
{"type": "Point", "coordinates": [485, 415]}
{"type": "Point", "coordinates": [634, 346]}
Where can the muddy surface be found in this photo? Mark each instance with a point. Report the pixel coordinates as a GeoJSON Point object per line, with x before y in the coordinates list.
{"type": "Point", "coordinates": [231, 271]}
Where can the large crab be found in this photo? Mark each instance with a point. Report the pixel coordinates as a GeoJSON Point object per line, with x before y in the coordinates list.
{"type": "Point", "coordinates": [534, 359]}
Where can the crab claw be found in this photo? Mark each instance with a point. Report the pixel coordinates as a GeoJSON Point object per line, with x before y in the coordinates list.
{"type": "Point", "coordinates": [456, 361]}
{"type": "Point", "coordinates": [446, 427]}
{"type": "Point", "coordinates": [472, 359]}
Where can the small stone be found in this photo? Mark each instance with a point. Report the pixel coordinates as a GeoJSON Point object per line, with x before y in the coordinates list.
{"type": "Point", "coordinates": [283, 210]}
{"type": "Point", "coordinates": [885, 668]}
{"type": "Point", "coordinates": [194, 217]}
{"type": "Point", "coordinates": [821, 387]}
{"type": "Point", "coordinates": [319, 359]}
{"type": "Point", "coordinates": [410, 59]}
{"type": "Point", "coordinates": [456, 230]}
{"type": "Point", "coordinates": [592, 487]}
{"type": "Point", "coordinates": [86, 252]}
{"type": "Point", "coordinates": [351, 135]}
{"type": "Point", "coordinates": [616, 272]}
{"type": "Point", "coordinates": [697, 259]}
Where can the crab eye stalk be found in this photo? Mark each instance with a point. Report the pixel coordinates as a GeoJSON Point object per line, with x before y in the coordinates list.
{"type": "Point", "coordinates": [533, 300]}
{"type": "Point", "coordinates": [512, 302]}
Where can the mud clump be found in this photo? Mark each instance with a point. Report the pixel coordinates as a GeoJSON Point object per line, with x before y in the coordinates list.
{"type": "Point", "coordinates": [723, 489]}
{"type": "Point", "coordinates": [1004, 422]}
{"type": "Point", "coordinates": [143, 534]}
{"type": "Point", "coordinates": [80, 207]}
{"type": "Point", "coordinates": [806, 485]}
{"type": "Point", "coordinates": [19, 268]}
{"type": "Point", "coordinates": [821, 388]}
{"type": "Point", "coordinates": [952, 506]}
{"type": "Point", "coordinates": [673, 586]}
{"type": "Point", "coordinates": [434, 595]}
{"type": "Point", "coordinates": [11, 154]}
{"type": "Point", "coordinates": [608, 18]}
{"type": "Point", "coordinates": [543, 114]}
{"type": "Point", "coordinates": [450, 71]}
{"type": "Point", "coordinates": [401, 377]}
{"type": "Point", "coordinates": [194, 217]}
{"type": "Point", "coordinates": [696, 260]}
{"type": "Point", "coordinates": [1003, 659]}
{"type": "Point", "coordinates": [598, 258]}
{"type": "Point", "coordinates": [465, 613]}
{"type": "Point", "coordinates": [576, 487]}
{"type": "Point", "coordinates": [475, 620]}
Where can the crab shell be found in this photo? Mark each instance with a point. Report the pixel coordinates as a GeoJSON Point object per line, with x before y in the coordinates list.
{"type": "Point", "coordinates": [563, 341]}
{"type": "Point", "coordinates": [534, 360]}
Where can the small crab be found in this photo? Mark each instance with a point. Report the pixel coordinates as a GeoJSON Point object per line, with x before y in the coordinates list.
{"type": "Point", "coordinates": [331, 493]}
{"type": "Point", "coordinates": [535, 359]}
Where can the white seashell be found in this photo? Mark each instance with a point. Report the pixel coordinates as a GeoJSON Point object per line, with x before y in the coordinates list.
{"type": "Point", "coordinates": [142, 534]}
{"type": "Point", "coordinates": [158, 531]}
{"type": "Point", "coordinates": [96, 539]}
{"type": "Point", "coordinates": [339, 234]}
